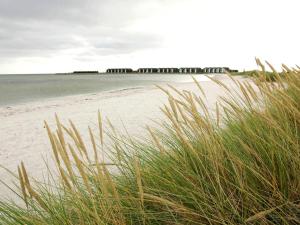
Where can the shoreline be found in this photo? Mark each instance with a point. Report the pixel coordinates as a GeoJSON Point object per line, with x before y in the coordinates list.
{"type": "Point", "coordinates": [54, 100]}
{"type": "Point", "coordinates": [28, 99]}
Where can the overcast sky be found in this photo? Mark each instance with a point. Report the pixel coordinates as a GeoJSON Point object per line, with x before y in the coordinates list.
{"type": "Point", "coordinates": [66, 35]}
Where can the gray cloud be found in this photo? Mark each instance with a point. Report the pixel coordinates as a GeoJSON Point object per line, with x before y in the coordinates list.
{"type": "Point", "coordinates": [40, 28]}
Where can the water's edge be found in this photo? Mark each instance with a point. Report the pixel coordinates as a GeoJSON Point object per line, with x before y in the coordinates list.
{"type": "Point", "coordinates": [22, 89]}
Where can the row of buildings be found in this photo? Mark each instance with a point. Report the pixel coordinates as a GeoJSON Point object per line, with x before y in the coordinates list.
{"type": "Point", "coordinates": [187, 70]}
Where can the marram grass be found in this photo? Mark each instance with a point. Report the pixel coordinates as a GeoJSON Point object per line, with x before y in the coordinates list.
{"type": "Point", "coordinates": [239, 164]}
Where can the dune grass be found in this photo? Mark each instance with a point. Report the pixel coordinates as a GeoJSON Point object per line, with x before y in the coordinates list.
{"type": "Point", "coordinates": [239, 164]}
{"type": "Point", "coordinates": [269, 76]}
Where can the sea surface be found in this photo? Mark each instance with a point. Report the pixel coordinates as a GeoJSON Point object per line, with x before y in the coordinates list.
{"type": "Point", "coordinates": [15, 89]}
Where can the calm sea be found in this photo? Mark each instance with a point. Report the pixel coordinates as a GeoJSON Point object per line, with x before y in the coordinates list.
{"type": "Point", "coordinates": [16, 89]}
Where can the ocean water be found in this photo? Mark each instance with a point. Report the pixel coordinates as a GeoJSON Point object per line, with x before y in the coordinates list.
{"type": "Point", "coordinates": [16, 89]}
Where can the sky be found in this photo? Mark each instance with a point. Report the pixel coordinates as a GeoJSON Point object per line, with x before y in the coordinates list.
{"type": "Point", "coordinates": [48, 36]}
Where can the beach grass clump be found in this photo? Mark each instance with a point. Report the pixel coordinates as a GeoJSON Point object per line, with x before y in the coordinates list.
{"type": "Point", "coordinates": [269, 76]}
{"type": "Point", "coordinates": [237, 164]}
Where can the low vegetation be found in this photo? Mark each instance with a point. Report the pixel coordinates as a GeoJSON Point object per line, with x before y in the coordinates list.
{"type": "Point", "coordinates": [268, 75]}
{"type": "Point", "coordinates": [239, 164]}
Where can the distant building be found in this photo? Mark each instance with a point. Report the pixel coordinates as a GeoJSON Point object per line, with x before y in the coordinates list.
{"type": "Point", "coordinates": [119, 70]}
{"type": "Point", "coordinates": [183, 70]}
{"type": "Point", "coordinates": [168, 70]}
{"type": "Point", "coordinates": [147, 70]}
{"type": "Point", "coordinates": [216, 70]}
{"type": "Point", "coordinates": [191, 70]}
{"type": "Point", "coordinates": [158, 70]}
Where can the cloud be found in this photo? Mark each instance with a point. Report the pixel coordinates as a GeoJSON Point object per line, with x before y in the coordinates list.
{"type": "Point", "coordinates": [48, 35]}
{"type": "Point", "coordinates": [40, 28]}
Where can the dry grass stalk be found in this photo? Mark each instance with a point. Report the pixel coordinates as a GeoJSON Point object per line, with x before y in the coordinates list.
{"type": "Point", "coordinates": [218, 115]}
{"type": "Point", "coordinates": [60, 132]}
{"type": "Point", "coordinates": [71, 133]}
{"type": "Point", "coordinates": [180, 110]}
{"type": "Point", "coordinates": [220, 84]}
{"type": "Point", "coordinates": [156, 141]}
{"type": "Point", "coordinates": [199, 86]}
{"type": "Point", "coordinates": [180, 94]}
{"type": "Point", "coordinates": [175, 206]}
{"type": "Point", "coordinates": [94, 146]}
{"type": "Point", "coordinates": [80, 168]}
{"type": "Point", "coordinates": [173, 107]}
{"type": "Point", "coordinates": [22, 184]}
{"type": "Point", "coordinates": [54, 149]}
{"type": "Point", "coordinates": [100, 125]}
{"type": "Point", "coordinates": [260, 215]}
{"type": "Point", "coordinates": [140, 185]}
{"type": "Point", "coordinates": [79, 142]}
{"type": "Point", "coordinates": [118, 209]}
{"type": "Point", "coordinates": [164, 90]}
{"type": "Point", "coordinates": [27, 186]}
{"type": "Point", "coordinates": [139, 179]}
{"type": "Point", "coordinates": [65, 157]}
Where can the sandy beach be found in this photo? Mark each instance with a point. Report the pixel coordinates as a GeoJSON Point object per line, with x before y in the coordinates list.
{"type": "Point", "coordinates": [24, 138]}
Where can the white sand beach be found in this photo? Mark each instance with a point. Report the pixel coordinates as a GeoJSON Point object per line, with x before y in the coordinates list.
{"type": "Point", "coordinates": [24, 138]}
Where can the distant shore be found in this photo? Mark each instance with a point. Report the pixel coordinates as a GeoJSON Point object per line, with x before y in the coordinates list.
{"type": "Point", "coordinates": [159, 70]}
